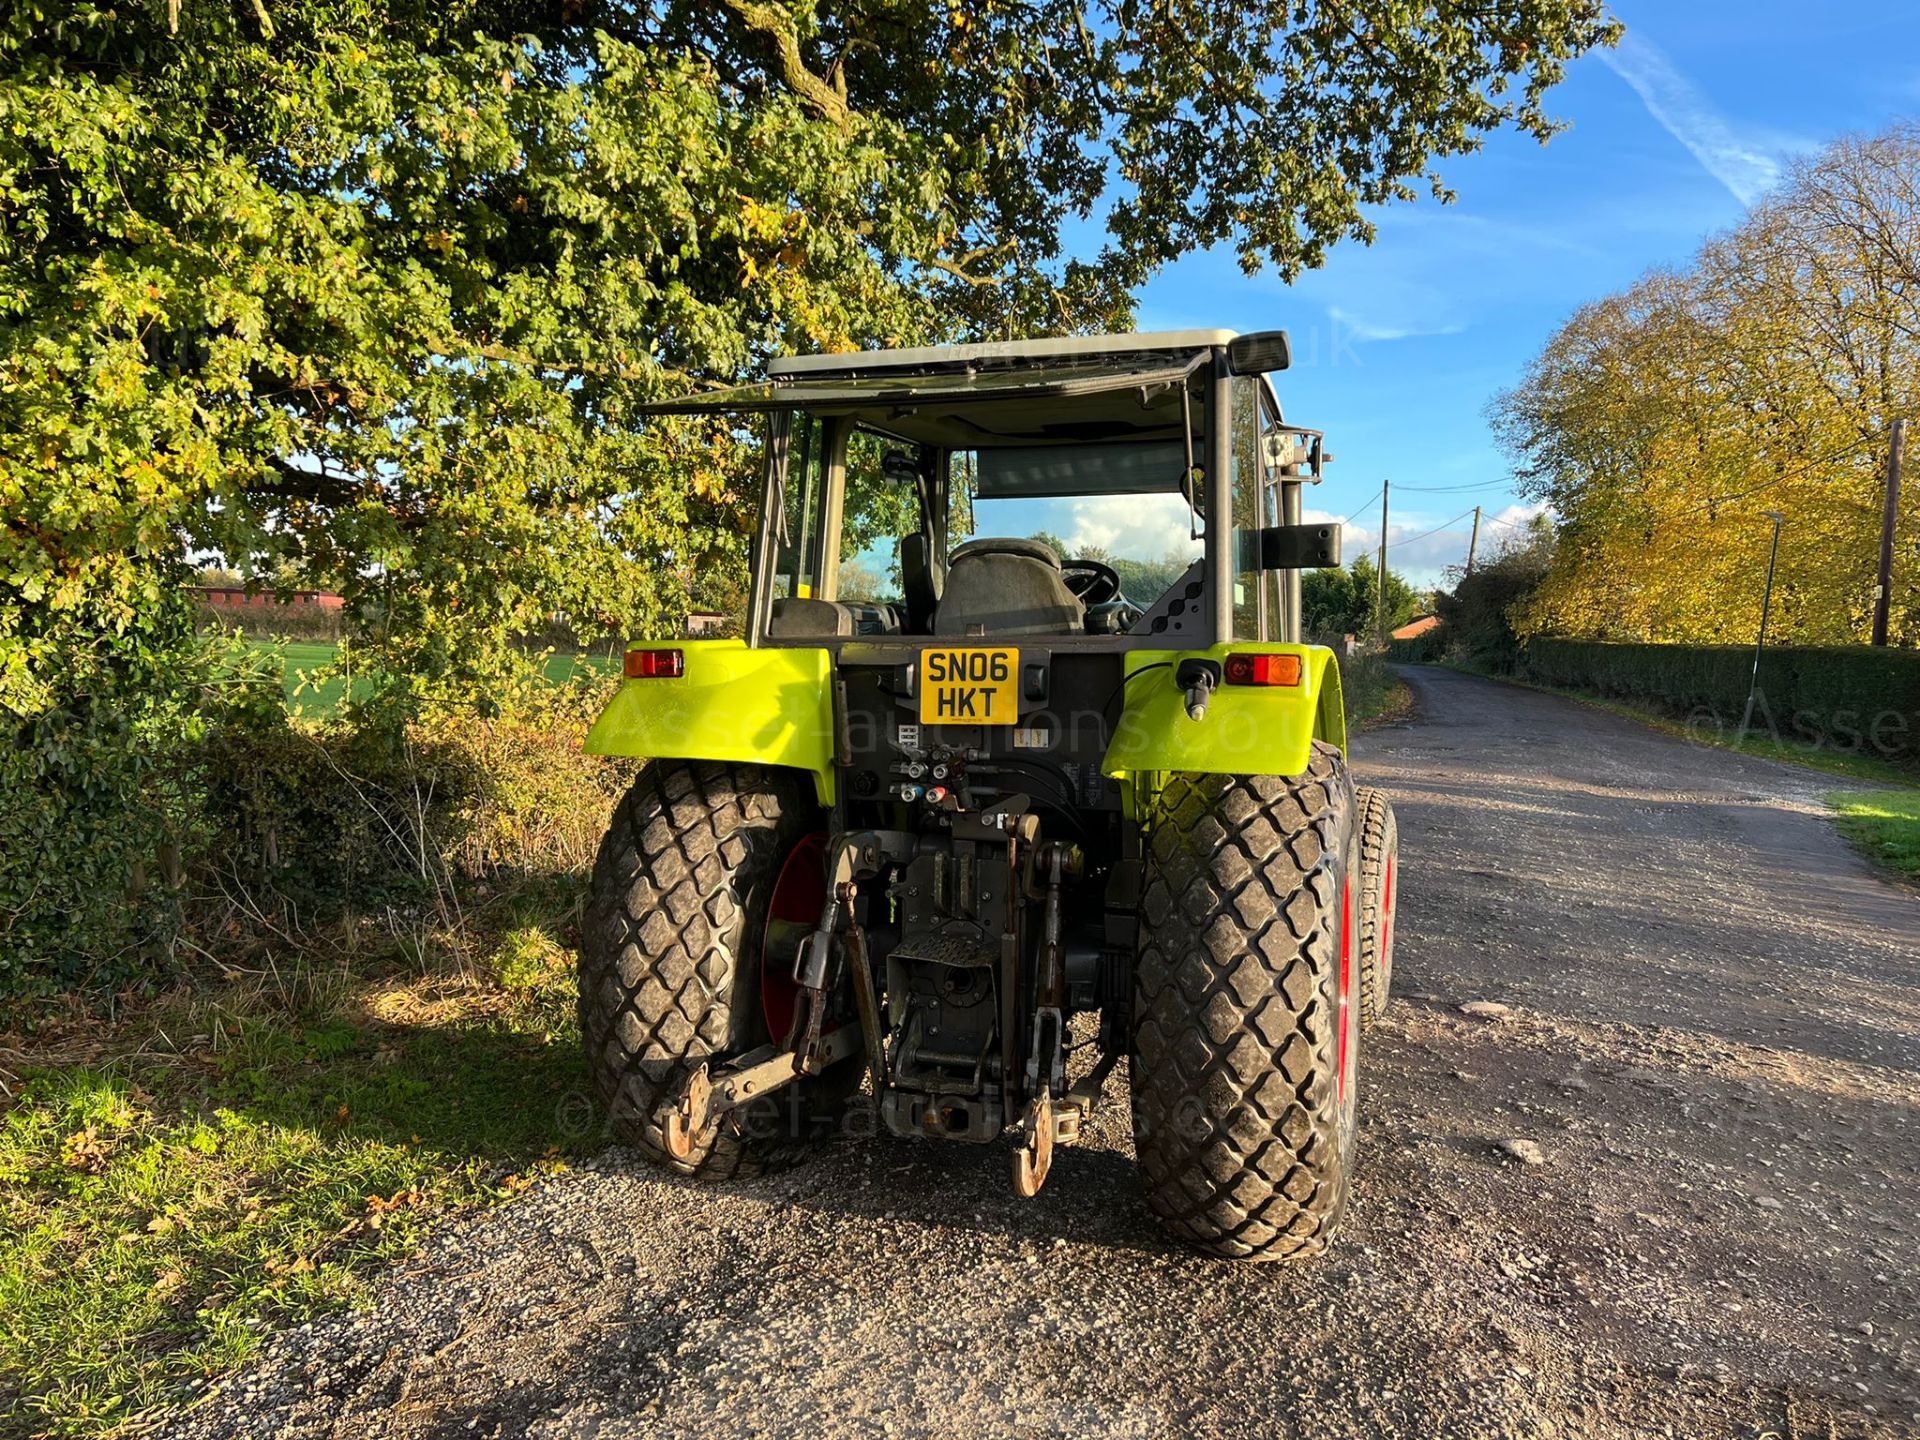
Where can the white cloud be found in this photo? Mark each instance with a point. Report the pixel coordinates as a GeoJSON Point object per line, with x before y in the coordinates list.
{"type": "Point", "coordinates": [1417, 549]}
{"type": "Point", "coordinates": [1358, 328]}
{"type": "Point", "coordinates": [1516, 515]}
{"type": "Point", "coordinates": [1148, 527]}
{"type": "Point", "coordinates": [1141, 527]}
{"type": "Point", "coordinates": [1497, 531]}
{"type": "Point", "coordinates": [1747, 164]}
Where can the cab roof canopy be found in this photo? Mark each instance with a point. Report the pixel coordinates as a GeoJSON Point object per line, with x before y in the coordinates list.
{"type": "Point", "coordinates": [1127, 387]}
{"type": "Point", "coordinates": [1146, 349]}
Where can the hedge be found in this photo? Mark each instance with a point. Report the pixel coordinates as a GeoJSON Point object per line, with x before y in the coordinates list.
{"type": "Point", "coordinates": [1419, 649]}
{"type": "Point", "coordinates": [1852, 698]}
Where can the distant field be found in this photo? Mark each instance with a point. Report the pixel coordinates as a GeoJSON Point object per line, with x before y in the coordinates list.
{"type": "Point", "coordinates": [304, 657]}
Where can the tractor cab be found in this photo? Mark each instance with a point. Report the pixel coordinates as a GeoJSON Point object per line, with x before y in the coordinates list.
{"type": "Point", "coordinates": [1056, 488]}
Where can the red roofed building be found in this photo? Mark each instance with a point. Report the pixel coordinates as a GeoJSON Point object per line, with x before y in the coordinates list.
{"type": "Point", "coordinates": [237, 597]}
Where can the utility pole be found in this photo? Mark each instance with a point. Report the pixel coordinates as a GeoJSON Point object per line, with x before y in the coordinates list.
{"type": "Point", "coordinates": [1883, 595]}
{"type": "Point", "coordinates": [1473, 543]}
{"type": "Point", "coordinates": [1766, 609]}
{"type": "Point", "coordinates": [1380, 593]}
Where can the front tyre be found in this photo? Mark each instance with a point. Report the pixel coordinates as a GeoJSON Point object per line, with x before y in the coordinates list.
{"type": "Point", "coordinates": [1379, 900]}
{"type": "Point", "coordinates": [1246, 1032]}
{"type": "Point", "coordinates": [670, 955]}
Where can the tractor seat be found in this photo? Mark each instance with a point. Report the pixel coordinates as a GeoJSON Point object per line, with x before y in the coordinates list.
{"type": "Point", "coordinates": [1007, 587]}
{"type": "Point", "coordinates": [919, 583]}
{"type": "Point", "coordinates": [801, 618]}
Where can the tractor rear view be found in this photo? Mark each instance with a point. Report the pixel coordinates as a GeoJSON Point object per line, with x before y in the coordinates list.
{"type": "Point", "coordinates": [967, 796]}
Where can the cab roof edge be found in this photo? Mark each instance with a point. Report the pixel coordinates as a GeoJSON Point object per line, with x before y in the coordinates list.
{"type": "Point", "coordinates": [1065, 347]}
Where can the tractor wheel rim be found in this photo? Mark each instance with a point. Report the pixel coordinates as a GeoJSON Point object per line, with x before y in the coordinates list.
{"type": "Point", "coordinates": [799, 895]}
{"type": "Point", "coordinates": [1343, 1047]}
{"type": "Point", "coordinates": [1386, 917]}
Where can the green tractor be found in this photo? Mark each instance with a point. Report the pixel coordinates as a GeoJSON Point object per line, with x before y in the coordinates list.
{"type": "Point", "coordinates": [971, 810]}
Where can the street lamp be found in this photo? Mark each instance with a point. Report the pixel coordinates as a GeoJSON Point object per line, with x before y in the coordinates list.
{"type": "Point", "coordinates": [1766, 608]}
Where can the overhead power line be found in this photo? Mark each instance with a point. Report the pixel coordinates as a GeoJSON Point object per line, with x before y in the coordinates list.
{"type": "Point", "coordinates": [1444, 525]}
{"type": "Point", "coordinates": [1356, 514]}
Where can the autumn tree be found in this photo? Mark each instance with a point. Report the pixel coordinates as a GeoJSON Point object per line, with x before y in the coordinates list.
{"type": "Point", "coordinates": [1663, 423]}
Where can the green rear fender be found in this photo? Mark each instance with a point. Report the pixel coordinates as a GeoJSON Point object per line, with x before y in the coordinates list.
{"type": "Point", "coordinates": [1248, 729]}
{"type": "Point", "coordinates": [774, 706]}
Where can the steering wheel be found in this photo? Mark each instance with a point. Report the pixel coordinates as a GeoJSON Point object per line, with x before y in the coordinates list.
{"type": "Point", "coordinates": [1093, 582]}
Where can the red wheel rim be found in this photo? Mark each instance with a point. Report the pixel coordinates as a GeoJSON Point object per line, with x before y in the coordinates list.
{"type": "Point", "coordinates": [799, 895]}
{"type": "Point", "coordinates": [1343, 1051]}
{"type": "Point", "coordinates": [1386, 916]}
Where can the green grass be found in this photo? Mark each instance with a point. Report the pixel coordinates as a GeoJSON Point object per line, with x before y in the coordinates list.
{"type": "Point", "coordinates": [1884, 825]}
{"type": "Point", "coordinates": [237, 1156]}
{"type": "Point", "coordinates": [303, 658]}
{"type": "Point", "coordinates": [1371, 691]}
{"type": "Point", "coordinates": [315, 697]}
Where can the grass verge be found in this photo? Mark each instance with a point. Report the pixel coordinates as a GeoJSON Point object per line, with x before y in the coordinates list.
{"type": "Point", "coordinates": [1884, 825]}
{"type": "Point", "coordinates": [1375, 696]}
{"type": "Point", "coordinates": [235, 1154]}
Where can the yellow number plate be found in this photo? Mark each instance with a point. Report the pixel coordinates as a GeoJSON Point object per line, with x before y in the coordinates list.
{"type": "Point", "coordinates": [970, 686]}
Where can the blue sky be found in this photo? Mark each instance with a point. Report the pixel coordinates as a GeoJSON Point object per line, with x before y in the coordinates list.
{"type": "Point", "coordinates": [1399, 347]}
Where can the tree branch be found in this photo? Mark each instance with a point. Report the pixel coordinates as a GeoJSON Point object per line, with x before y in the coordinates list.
{"type": "Point", "coordinates": [957, 267]}
{"type": "Point", "coordinates": [953, 268]}
{"type": "Point", "coordinates": [829, 99]}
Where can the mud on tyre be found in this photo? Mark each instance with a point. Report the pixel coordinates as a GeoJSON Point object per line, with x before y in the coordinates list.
{"type": "Point", "coordinates": [1245, 1026]}
{"type": "Point", "coordinates": [670, 956]}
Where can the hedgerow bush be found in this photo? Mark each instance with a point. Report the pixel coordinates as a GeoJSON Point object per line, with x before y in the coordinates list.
{"type": "Point", "coordinates": [273, 622]}
{"type": "Point", "coordinates": [1852, 697]}
{"type": "Point", "coordinates": [367, 810]}
{"type": "Point", "coordinates": [92, 801]}
{"type": "Point", "coordinates": [1478, 620]}
{"type": "Point", "coordinates": [1421, 649]}
{"type": "Point", "coordinates": [125, 822]}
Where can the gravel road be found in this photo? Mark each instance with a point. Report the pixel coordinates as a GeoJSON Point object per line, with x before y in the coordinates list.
{"type": "Point", "coordinates": [1711, 1033]}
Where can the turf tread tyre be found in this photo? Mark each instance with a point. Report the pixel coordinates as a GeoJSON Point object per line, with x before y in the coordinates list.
{"type": "Point", "coordinates": [1379, 879]}
{"type": "Point", "coordinates": [1244, 1144]}
{"type": "Point", "coordinates": [669, 959]}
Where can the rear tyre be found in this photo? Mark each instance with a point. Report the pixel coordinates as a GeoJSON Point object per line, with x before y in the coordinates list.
{"type": "Point", "coordinates": [670, 956]}
{"type": "Point", "coordinates": [1245, 1034]}
{"type": "Point", "coordinates": [1379, 899]}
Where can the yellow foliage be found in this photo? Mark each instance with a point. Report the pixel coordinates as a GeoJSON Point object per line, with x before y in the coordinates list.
{"type": "Point", "coordinates": [1665, 423]}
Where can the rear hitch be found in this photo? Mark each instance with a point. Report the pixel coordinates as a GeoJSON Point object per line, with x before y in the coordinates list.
{"type": "Point", "coordinates": [1034, 1158]}
{"type": "Point", "coordinates": [1047, 1060]}
{"type": "Point", "coordinates": [813, 965]}
{"type": "Point", "coordinates": [693, 1116]}
{"type": "Point", "coordinates": [854, 858]}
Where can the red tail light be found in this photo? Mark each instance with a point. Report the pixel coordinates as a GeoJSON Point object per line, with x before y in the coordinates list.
{"type": "Point", "coordinates": [1263, 670]}
{"type": "Point", "coordinates": [655, 664]}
